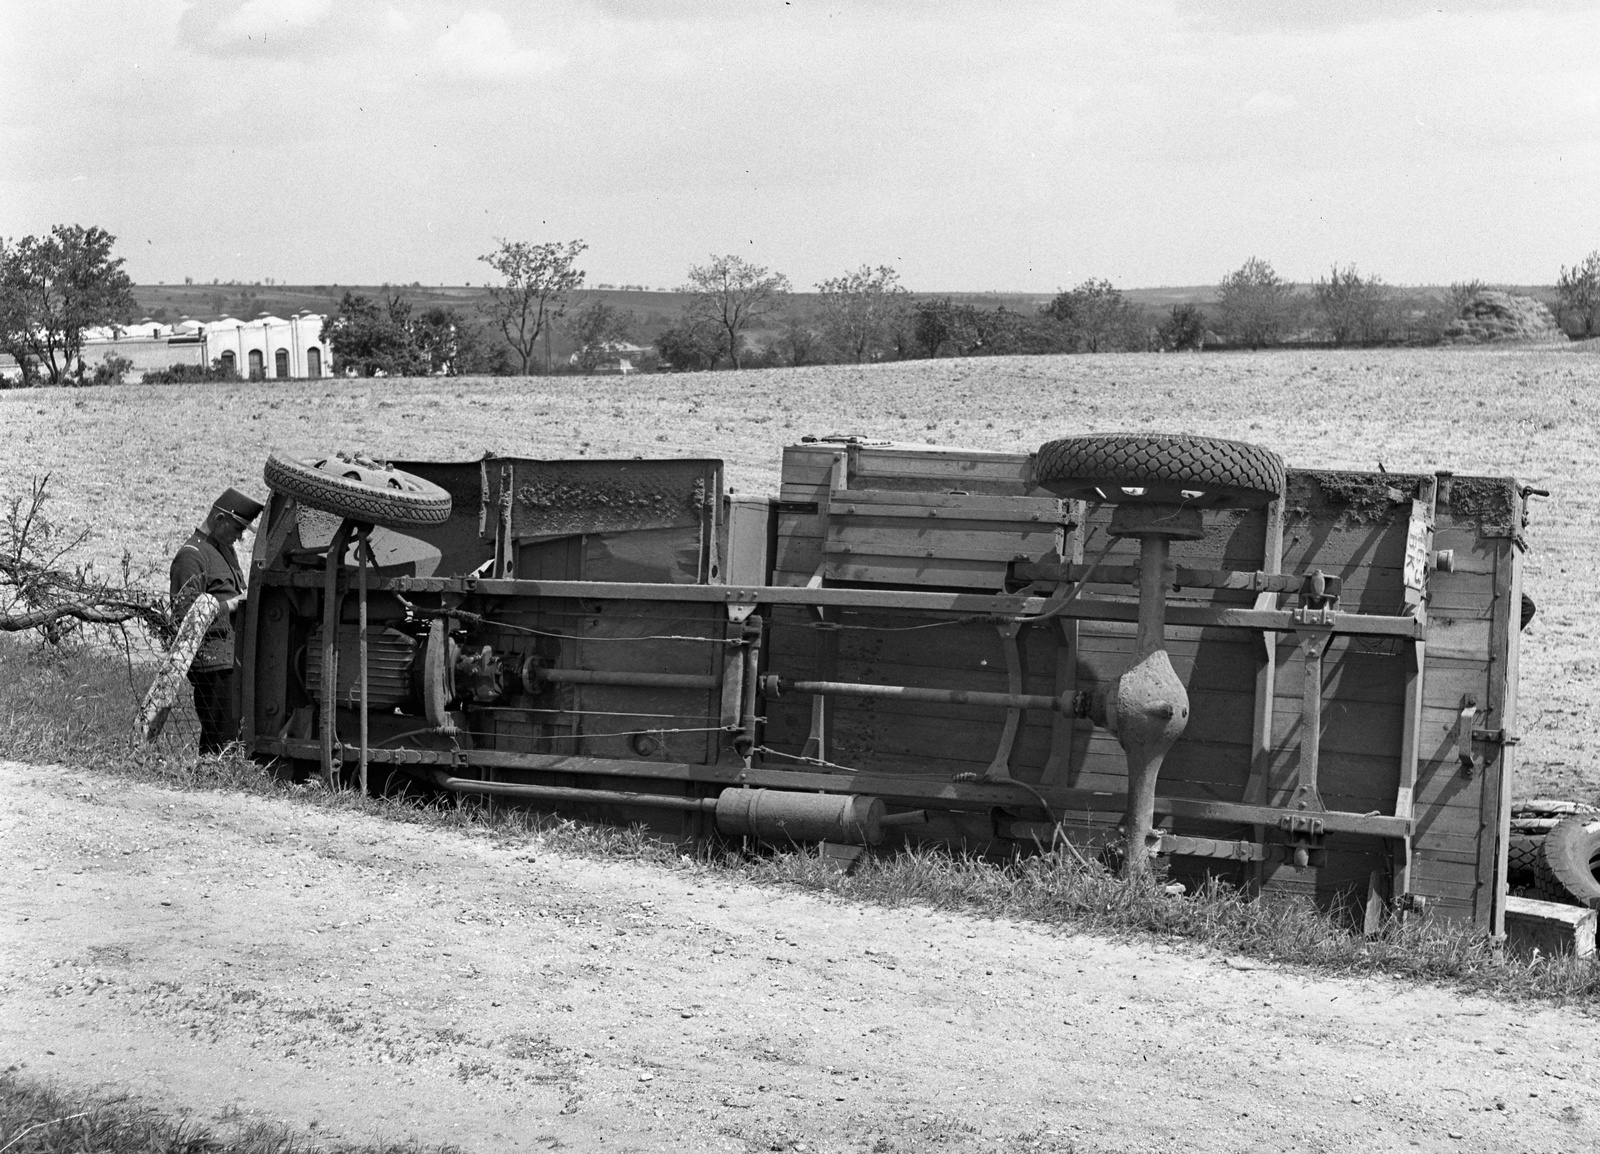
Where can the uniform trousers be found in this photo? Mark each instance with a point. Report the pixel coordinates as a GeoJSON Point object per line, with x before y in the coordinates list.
{"type": "Point", "coordinates": [213, 702]}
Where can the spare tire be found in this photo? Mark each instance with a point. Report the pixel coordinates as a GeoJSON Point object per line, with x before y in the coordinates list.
{"type": "Point", "coordinates": [1171, 469]}
{"type": "Point", "coordinates": [359, 489]}
{"type": "Point", "coordinates": [1569, 860]}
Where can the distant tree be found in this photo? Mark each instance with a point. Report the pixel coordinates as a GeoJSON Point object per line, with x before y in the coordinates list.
{"type": "Point", "coordinates": [1351, 306]}
{"type": "Point", "coordinates": [362, 337]}
{"type": "Point", "coordinates": [731, 294]}
{"type": "Point", "coordinates": [1096, 318]}
{"type": "Point", "coordinates": [595, 328]}
{"type": "Point", "coordinates": [390, 339]}
{"type": "Point", "coordinates": [54, 287]}
{"type": "Point", "coordinates": [1579, 291]}
{"type": "Point", "coordinates": [1460, 294]}
{"type": "Point", "coordinates": [537, 280]}
{"type": "Point", "coordinates": [1184, 328]}
{"type": "Point", "coordinates": [968, 331]}
{"type": "Point", "coordinates": [687, 346]}
{"type": "Point", "coordinates": [995, 333]}
{"type": "Point", "coordinates": [934, 324]}
{"type": "Point", "coordinates": [1255, 305]}
{"type": "Point", "coordinates": [447, 343]}
{"type": "Point", "coordinates": [861, 309]}
{"type": "Point", "coordinates": [798, 343]}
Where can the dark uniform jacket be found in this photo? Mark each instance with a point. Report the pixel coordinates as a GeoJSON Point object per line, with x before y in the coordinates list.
{"type": "Point", "coordinates": [205, 565]}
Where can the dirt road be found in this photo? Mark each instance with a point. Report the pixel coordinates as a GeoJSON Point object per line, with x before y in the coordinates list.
{"type": "Point", "coordinates": [240, 956]}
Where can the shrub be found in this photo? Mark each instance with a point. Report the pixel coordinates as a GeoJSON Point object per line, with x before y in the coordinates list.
{"type": "Point", "coordinates": [111, 370]}
{"type": "Point", "coordinates": [190, 374]}
{"type": "Point", "coordinates": [1256, 305]}
{"type": "Point", "coordinates": [1184, 328]}
{"type": "Point", "coordinates": [1095, 318]}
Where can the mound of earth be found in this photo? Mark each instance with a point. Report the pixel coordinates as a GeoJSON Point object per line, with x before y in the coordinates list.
{"type": "Point", "coordinates": [1494, 317]}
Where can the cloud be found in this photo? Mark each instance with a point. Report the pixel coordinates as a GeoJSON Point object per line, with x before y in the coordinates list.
{"type": "Point", "coordinates": [1265, 104]}
{"type": "Point", "coordinates": [481, 44]}
{"type": "Point", "coordinates": [263, 17]}
{"type": "Point", "coordinates": [271, 27]}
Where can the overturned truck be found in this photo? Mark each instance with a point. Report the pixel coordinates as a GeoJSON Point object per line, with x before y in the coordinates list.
{"type": "Point", "coordinates": [1297, 681]}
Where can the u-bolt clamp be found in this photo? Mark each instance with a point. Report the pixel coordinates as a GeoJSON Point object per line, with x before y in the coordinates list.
{"type": "Point", "coordinates": [1303, 836]}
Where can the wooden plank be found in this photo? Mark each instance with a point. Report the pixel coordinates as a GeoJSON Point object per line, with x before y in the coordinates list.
{"type": "Point", "coordinates": [1264, 703]}
{"type": "Point", "coordinates": [1499, 762]}
{"type": "Point", "coordinates": [1459, 638]}
{"type": "Point", "coordinates": [1411, 738]}
{"type": "Point", "coordinates": [937, 466]}
{"type": "Point", "coordinates": [998, 548]}
{"type": "Point", "coordinates": [952, 574]}
{"type": "Point", "coordinates": [901, 503]}
{"type": "Point", "coordinates": [864, 530]}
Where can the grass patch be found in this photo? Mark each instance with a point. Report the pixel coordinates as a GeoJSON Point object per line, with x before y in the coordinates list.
{"type": "Point", "coordinates": [74, 704]}
{"type": "Point", "coordinates": [38, 1117]}
{"type": "Point", "coordinates": [70, 706]}
{"type": "Point", "coordinates": [1056, 889]}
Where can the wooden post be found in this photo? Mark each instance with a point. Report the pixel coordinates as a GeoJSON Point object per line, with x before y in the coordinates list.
{"type": "Point", "coordinates": [331, 760]}
{"type": "Point", "coordinates": [1504, 645]}
{"type": "Point", "coordinates": [1255, 790]}
{"type": "Point", "coordinates": [1425, 507]}
{"type": "Point", "coordinates": [363, 551]}
{"type": "Point", "coordinates": [1063, 726]}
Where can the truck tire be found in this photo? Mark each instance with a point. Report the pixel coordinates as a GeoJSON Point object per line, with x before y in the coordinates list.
{"type": "Point", "coordinates": [1569, 860]}
{"type": "Point", "coordinates": [1522, 860]}
{"type": "Point", "coordinates": [1174, 469]}
{"type": "Point", "coordinates": [358, 489]}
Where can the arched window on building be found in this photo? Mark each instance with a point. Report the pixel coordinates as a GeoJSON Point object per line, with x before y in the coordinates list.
{"type": "Point", "coordinates": [230, 362]}
{"type": "Point", "coordinates": [313, 362]}
{"type": "Point", "coordinates": [280, 364]}
{"type": "Point", "coordinates": [257, 365]}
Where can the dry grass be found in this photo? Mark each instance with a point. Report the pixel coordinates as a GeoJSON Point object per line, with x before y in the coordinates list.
{"type": "Point", "coordinates": [39, 1117]}
{"type": "Point", "coordinates": [142, 462]}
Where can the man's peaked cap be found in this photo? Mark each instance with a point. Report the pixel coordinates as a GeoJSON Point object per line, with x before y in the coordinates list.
{"type": "Point", "coordinates": [237, 504]}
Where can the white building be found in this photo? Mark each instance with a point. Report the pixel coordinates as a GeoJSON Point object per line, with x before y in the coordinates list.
{"type": "Point", "coordinates": [267, 348]}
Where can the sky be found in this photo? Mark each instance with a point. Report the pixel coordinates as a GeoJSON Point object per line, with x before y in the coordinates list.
{"type": "Point", "coordinates": [972, 145]}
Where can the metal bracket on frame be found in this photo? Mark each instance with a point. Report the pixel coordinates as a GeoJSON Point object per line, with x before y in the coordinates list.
{"type": "Point", "coordinates": [1000, 768]}
{"type": "Point", "coordinates": [1468, 761]}
{"type": "Point", "coordinates": [1306, 796]}
{"type": "Point", "coordinates": [1304, 836]}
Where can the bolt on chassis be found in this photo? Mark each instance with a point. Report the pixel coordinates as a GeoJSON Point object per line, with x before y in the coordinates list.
{"type": "Point", "coordinates": [1295, 680]}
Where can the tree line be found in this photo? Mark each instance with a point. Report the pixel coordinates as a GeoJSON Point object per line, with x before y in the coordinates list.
{"type": "Point", "coordinates": [739, 314]}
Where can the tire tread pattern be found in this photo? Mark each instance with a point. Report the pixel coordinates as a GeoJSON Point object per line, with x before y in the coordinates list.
{"type": "Point", "coordinates": [1206, 463]}
{"type": "Point", "coordinates": [1564, 871]}
{"type": "Point", "coordinates": [427, 504]}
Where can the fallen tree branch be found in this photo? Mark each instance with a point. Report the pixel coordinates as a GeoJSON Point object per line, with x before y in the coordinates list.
{"type": "Point", "coordinates": [17, 622]}
{"type": "Point", "coordinates": [36, 594]}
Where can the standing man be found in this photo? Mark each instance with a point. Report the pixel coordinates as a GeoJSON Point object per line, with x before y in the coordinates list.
{"type": "Point", "coordinates": [207, 563]}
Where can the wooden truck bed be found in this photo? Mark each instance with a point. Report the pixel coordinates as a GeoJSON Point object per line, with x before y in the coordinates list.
{"type": "Point", "coordinates": [916, 566]}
